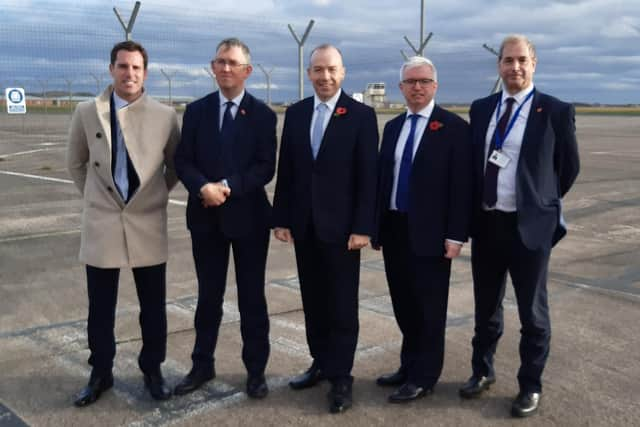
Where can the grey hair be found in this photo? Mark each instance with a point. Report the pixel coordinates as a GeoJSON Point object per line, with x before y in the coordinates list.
{"type": "Point", "coordinates": [418, 61]}
{"type": "Point", "coordinates": [516, 38]}
{"type": "Point", "coordinates": [235, 42]}
{"type": "Point", "coordinates": [324, 46]}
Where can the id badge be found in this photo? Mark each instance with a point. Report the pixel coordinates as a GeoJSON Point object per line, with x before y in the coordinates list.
{"type": "Point", "coordinates": [499, 159]}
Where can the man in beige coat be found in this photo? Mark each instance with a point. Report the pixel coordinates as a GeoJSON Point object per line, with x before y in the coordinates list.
{"type": "Point", "coordinates": [120, 156]}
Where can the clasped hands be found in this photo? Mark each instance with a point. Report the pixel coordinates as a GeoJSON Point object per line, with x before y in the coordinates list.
{"type": "Point", "coordinates": [214, 194]}
{"type": "Point", "coordinates": [356, 241]}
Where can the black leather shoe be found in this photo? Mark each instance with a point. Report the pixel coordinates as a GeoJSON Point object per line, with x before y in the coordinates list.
{"type": "Point", "coordinates": [340, 398]}
{"type": "Point", "coordinates": [396, 379]}
{"type": "Point", "coordinates": [525, 404]}
{"type": "Point", "coordinates": [93, 390]}
{"type": "Point", "coordinates": [476, 386]}
{"type": "Point", "coordinates": [311, 377]}
{"type": "Point", "coordinates": [409, 392]}
{"type": "Point", "coordinates": [257, 387]}
{"type": "Point", "coordinates": [157, 387]}
{"type": "Point", "coordinates": [194, 380]}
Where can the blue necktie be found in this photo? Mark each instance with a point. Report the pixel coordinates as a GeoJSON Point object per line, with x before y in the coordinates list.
{"type": "Point", "coordinates": [402, 191]}
{"type": "Point", "coordinates": [121, 175]}
{"type": "Point", "coordinates": [318, 129]}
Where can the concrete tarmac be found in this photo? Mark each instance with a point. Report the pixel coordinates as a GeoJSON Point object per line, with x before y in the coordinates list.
{"type": "Point", "coordinates": [592, 376]}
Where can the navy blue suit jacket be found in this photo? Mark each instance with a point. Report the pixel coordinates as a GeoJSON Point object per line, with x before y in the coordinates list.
{"type": "Point", "coordinates": [547, 167]}
{"type": "Point", "coordinates": [248, 167]}
{"type": "Point", "coordinates": [336, 191]}
{"type": "Point", "coordinates": [440, 186]}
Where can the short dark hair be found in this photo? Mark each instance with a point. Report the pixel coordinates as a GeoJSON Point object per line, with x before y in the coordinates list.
{"type": "Point", "coordinates": [130, 46]}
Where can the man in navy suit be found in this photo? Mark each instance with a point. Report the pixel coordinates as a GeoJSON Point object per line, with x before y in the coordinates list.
{"type": "Point", "coordinates": [225, 158]}
{"type": "Point", "coordinates": [525, 161]}
{"type": "Point", "coordinates": [324, 204]}
{"type": "Point", "coordinates": [423, 215]}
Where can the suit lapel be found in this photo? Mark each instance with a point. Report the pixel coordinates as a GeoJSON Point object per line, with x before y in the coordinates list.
{"type": "Point", "coordinates": [332, 131]}
{"type": "Point", "coordinates": [534, 125]}
{"type": "Point", "coordinates": [104, 117]}
{"type": "Point", "coordinates": [305, 123]}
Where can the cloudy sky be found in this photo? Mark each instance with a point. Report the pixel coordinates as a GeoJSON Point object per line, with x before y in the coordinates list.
{"type": "Point", "coordinates": [588, 50]}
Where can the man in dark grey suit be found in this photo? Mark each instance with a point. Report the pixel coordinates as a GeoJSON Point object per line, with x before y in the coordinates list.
{"type": "Point", "coordinates": [525, 161]}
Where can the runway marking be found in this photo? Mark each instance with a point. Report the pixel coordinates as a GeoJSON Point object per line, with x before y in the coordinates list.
{"type": "Point", "coordinates": [68, 181]}
{"type": "Point", "coordinates": [9, 418]}
{"type": "Point", "coordinates": [37, 150]}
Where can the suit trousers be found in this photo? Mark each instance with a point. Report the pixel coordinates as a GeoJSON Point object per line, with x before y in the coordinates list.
{"type": "Point", "coordinates": [211, 256]}
{"type": "Point", "coordinates": [419, 289]}
{"type": "Point", "coordinates": [329, 275]}
{"type": "Point", "coordinates": [102, 286]}
{"type": "Point", "coordinates": [497, 249]}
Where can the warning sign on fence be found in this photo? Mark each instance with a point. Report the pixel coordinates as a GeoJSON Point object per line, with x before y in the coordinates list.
{"type": "Point", "coordinates": [16, 102]}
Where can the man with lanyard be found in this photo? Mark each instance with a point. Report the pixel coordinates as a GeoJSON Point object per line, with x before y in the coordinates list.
{"type": "Point", "coordinates": [524, 163]}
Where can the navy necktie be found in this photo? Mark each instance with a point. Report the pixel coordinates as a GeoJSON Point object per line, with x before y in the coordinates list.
{"type": "Point", "coordinates": [402, 190]}
{"type": "Point", "coordinates": [227, 122]}
{"type": "Point", "coordinates": [490, 191]}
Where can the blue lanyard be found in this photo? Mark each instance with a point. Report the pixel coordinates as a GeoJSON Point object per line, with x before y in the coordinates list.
{"type": "Point", "coordinates": [499, 140]}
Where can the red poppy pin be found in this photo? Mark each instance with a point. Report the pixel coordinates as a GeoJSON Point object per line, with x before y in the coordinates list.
{"type": "Point", "coordinates": [340, 111]}
{"type": "Point", "coordinates": [435, 125]}
{"type": "Point", "coordinates": [242, 111]}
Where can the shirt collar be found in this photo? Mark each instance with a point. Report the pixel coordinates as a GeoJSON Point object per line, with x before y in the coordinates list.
{"type": "Point", "coordinates": [425, 112]}
{"type": "Point", "coordinates": [236, 101]}
{"type": "Point", "coordinates": [119, 102]}
{"type": "Point", "coordinates": [519, 97]}
{"type": "Point", "coordinates": [331, 102]}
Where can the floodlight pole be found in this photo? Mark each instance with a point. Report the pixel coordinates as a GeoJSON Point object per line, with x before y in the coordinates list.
{"type": "Point", "coordinates": [423, 42]}
{"type": "Point", "coordinates": [128, 27]}
{"type": "Point", "coordinates": [300, 55]}
{"type": "Point", "coordinates": [268, 77]}
{"type": "Point", "coordinates": [168, 77]}
{"type": "Point", "coordinates": [213, 77]}
{"type": "Point", "coordinates": [43, 85]}
{"type": "Point", "coordinates": [98, 80]}
{"type": "Point", "coordinates": [498, 85]}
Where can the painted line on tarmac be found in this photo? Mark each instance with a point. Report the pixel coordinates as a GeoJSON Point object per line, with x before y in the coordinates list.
{"type": "Point", "coordinates": [68, 181]}
{"type": "Point", "coordinates": [37, 150]}
{"type": "Point", "coordinates": [9, 418]}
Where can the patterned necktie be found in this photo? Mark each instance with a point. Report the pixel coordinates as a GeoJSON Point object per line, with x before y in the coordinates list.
{"type": "Point", "coordinates": [402, 190]}
{"type": "Point", "coordinates": [318, 129]}
{"type": "Point", "coordinates": [490, 191]}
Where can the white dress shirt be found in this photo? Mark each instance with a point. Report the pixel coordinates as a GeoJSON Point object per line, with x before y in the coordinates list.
{"type": "Point", "coordinates": [511, 148]}
{"type": "Point", "coordinates": [331, 103]}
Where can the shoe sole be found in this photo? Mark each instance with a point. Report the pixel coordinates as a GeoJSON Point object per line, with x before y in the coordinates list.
{"type": "Point", "coordinates": [520, 414]}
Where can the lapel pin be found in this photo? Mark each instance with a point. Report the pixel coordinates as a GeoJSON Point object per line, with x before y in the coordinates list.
{"type": "Point", "coordinates": [539, 110]}
{"type": "Point", "coordinates": [242, 111]}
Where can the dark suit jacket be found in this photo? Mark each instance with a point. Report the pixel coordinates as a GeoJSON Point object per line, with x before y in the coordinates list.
{"type": "Point", "coordinates": [547, 167]}
{"type": "Point", "coordinates": [337, 190]}
{"type": "Point", "coordinates": [248, 166]}
{"type": "Point", "coordinates": [440, 185]}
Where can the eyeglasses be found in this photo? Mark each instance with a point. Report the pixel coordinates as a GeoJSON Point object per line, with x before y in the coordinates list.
{"type": "Point", "coordinates": [422, 82]}
{"type": "Point", "coordinates": [221, 63]}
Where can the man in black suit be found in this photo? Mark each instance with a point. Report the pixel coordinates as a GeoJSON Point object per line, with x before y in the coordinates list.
{"type": "Point", "coordinates": [423, 215]}
{"type": "Point", "coordinates": [324, 202]}
{"type": "Point", "coordinates": [225, 158]}
{"type": "Point", "coordinates": [525, 161]}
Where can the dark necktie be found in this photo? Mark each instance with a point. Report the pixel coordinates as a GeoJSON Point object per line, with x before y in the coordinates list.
{"type": "Point", "coordinates": [402, 190]}
{"type": "Point", "coordinates": [490, 191]}
{"type": "Point", "coordinates": [227, 123]}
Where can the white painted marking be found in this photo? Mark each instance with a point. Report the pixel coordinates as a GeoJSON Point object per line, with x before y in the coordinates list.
{"type": "Point", "coordinates": [68, 181]}
{"type": "Point", "coordinates": [20, 153]}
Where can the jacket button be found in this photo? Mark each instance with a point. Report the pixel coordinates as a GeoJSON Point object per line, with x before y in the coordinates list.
{"type": "Point", "coordinates": [98, 135]}
{"type": "Point", "coordinates": [96, 164]}
{"type": "Point", "coordinates": [110, 189]}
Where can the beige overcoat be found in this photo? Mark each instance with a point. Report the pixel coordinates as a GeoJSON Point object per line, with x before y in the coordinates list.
{"type": "Point", "coordinates": [115, 234]}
